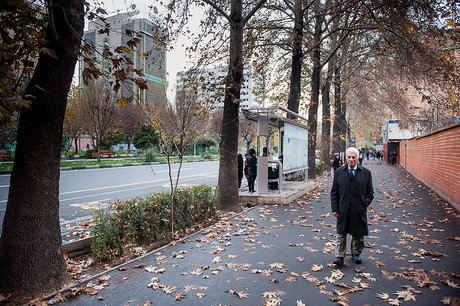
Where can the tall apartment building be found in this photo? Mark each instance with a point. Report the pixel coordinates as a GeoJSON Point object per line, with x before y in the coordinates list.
{"type": "Point", "coordinates": [211, 85]}
{"type": "Point", "coordinates": [152, 66]}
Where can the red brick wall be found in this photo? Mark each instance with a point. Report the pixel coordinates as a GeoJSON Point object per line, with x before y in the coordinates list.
{"type": "Point", "coordinates": [434, 159]}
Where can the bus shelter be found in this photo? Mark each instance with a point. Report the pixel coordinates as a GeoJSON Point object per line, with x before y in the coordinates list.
{"type": "Point", "coordinates": [292, 144]}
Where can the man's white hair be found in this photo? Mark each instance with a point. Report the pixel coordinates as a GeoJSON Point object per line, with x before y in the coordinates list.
{"type": "Point", "coordinates": [352, 149]}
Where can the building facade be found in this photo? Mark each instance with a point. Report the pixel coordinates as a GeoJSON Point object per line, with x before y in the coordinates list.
{"type": "Point", "coordinates": [148, 55]}
{"type": "Point", "coordinates": [210, 86]}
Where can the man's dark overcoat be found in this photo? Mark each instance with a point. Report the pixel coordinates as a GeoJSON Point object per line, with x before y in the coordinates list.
{"type": "Point", "coordinates": [350, 197]}
{"type": "Point", "coordinates": [252, 165]}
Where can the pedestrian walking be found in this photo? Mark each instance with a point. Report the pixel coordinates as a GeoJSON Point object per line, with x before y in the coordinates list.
{"type": "Point", "coordinates": [393, 155]}
{"type": "Point", "coordinates": [352, 192]}
{"type": "Point", "coordinates": [337, 163]}
{"type": "Point", "coordinates": [378, 157]}
{"type": "Point", "coordinates": [361, 157]}
{"type": "Point", "coordinates": [240, 169]}
{"type": "Point", "coordinates": [251, 174]}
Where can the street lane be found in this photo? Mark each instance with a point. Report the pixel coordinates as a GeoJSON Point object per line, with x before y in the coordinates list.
{"type": "Point", "coordinates": [81, 191]}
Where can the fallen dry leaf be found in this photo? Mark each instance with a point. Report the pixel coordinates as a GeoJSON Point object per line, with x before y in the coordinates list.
{"type": "Point", "coordinates": [153, 269]}
{"type": "Point", "coordinates": [138, 266]}
{"type": "Point", "coordinates": [291, 279]}
{"type": "Point", "coordinates": [103, 278]}
{"type": "Point", "coordinates": [383, 296]}
{"type": "Point", "coordinates": [169, 289]}
{"type": "Point", "coordinates": [317, 268]}
{"type": "Point", "coordinates": [180, 296]}
{"type": "Point", "coordinates": [449, 283]}
{"type": "Point", "coordinates": [276, 265]}
{"type": "Point", "coordinates": [393, 302]}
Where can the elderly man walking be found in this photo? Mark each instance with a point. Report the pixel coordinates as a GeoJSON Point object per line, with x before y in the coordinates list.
{"type": "Point", "coordinates": [351, 194]}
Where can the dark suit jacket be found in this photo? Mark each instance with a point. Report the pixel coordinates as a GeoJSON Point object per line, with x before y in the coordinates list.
{"type": "Point", "coordinates": [350, 197]}
{"type": "Point", "coordinates": [252, 165]}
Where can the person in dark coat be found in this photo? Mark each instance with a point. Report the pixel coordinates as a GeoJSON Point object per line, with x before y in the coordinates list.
{"type": "Point", "coordinates": [240, 169]}
{"type": "Point", "coordinates": [251, 161]}
{"type": "Point", "coordinates": [337, 162]}
{"type": "Point", "coordinates": [352, 192]}
{"type": "Point", "coordinates": [393, 155]}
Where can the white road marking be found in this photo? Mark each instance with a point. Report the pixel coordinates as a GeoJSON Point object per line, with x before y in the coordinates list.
{"type": "Point", "coordinates": [183, 180]}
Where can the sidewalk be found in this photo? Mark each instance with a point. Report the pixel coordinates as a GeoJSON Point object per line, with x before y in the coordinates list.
{"type": "Point", "coordinates": [281, 254]}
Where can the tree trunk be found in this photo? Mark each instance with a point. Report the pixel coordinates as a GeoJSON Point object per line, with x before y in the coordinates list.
{"type": "Point", "coordinates": [31, 259]}
{"type": "Point", "coordinates": [228, 176]}
{"type": "Point", "coordinates": [325, 94]}
{"type": "Point", "coordinates": [296, 70]}
{"type": "Point", "coordinates": [326, 120]}
{"type": "Point", "coordinates": [315, 84]}
{"type": "Point", "coordinates": [98, 147]}
{"type": "Point", "coordinates": [340, 124]}
{"type": "Point", "coordinates": [76, 145]}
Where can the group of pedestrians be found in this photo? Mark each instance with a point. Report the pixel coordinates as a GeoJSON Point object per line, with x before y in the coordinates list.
{"type": "Point", "coordinates": [248, 169]}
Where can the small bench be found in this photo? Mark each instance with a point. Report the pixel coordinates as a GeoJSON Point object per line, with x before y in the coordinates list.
{"type": "Point", "coordinates": [103, 152]}
{"type": "Point", "coordinates": [4, 154]}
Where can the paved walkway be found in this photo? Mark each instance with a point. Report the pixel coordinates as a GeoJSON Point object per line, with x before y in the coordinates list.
{"type": "Point", "coordinates": [282, 254]}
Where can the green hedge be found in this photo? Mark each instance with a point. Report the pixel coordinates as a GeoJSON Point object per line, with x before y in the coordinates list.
{"type": "Point", "coordinates": [140, 221]}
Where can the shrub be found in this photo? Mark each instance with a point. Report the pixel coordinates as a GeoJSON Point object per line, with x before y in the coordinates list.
{"type": "Point", "coordinates": [89, 153]}
{"type": "Point", "coordinates": [206, 155]}
{"type": "Point", "coordinates": [319, 168]}
{"type": "Point", "coordinates": [69, 155]}
{"type": "Point", "coordinates": [140, 221]}
{"type": "Point", "coordinates": [151, 155]}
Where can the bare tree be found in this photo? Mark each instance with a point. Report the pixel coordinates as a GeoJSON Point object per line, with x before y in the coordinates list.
{"type": "Point", "coordinates": [130, 119]}
{"type": "Point", "coordinates": [98, 104]}
{"type": "Point", "coordinates": [215, 123]}
{"type": "Point", "coordinates": [73, 117]}
{"type": "Point", "coordinates": [248, 131]}
{"type": "Point", "coordinates": [178, 125]}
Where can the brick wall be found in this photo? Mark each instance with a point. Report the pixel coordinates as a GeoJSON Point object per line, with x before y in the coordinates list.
{"type": "Point", "coordinates": [434, 159]}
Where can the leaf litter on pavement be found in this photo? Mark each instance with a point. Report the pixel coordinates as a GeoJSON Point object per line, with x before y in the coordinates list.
{"type": "Point", "coordinates": [411, 239]}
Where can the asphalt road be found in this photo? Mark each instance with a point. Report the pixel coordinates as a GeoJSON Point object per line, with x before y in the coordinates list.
{"type": "Point", "coordinates": [81, 191]}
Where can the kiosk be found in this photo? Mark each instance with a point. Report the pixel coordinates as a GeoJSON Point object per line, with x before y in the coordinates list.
{"type": "Point", "coordinates": [292, 144]}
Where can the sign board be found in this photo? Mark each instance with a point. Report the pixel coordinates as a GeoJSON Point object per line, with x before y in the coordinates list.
{"type": "Point", "coordinates": [295, 146]}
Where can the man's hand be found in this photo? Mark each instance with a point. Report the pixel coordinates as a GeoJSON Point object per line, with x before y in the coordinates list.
{"type": "Point", "coordinates": [336, 214]}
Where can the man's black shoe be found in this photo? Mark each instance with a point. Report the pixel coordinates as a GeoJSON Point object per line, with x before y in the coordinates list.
{"type": "Point", "coordinates": [355, 258]}
{"type": "Point", "coordinates": [338, 261]}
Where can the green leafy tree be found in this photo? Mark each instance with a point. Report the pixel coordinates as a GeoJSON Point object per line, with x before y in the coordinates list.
{"type": "Point", "coordinates": [146, 137]}
{"type": "Point", "coordinates": [113, 138]}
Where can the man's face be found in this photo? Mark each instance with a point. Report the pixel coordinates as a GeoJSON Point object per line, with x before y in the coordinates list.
{"type": "Point", "coordinates": [352, 159]}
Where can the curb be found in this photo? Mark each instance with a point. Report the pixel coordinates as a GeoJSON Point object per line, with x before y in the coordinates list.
{"type": "Point", "coordinates": [78, 247]}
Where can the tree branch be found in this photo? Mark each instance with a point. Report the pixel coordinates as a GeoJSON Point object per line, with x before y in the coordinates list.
{"type": "Point", "coordinates": [252, 12]}
{"type": "Point", "coordinates": [218, 9]}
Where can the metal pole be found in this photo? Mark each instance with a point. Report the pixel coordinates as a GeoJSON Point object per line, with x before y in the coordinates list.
{"type": "Point", "coordinates": [292, 113]}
